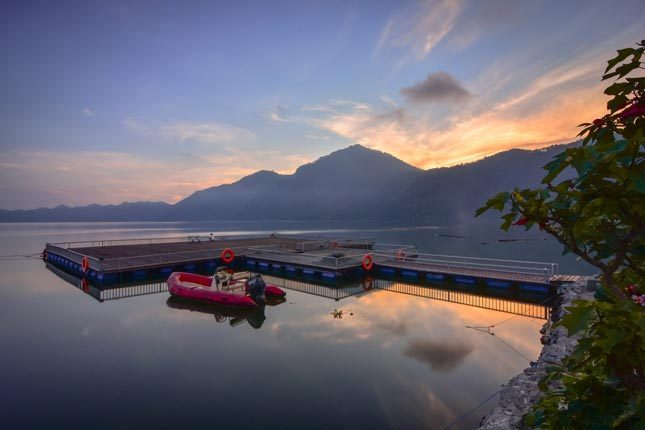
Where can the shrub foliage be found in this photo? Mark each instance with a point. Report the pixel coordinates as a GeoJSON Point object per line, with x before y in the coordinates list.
{"type": "Point", "coordinates": [598, 213]}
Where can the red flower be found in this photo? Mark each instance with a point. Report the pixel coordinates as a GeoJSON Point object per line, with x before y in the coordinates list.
{"type": "Point", "coordinates": [639, 299]}
{"type": "Point", "coordinates": [633, 110]}
{"type": "Point", "coordinates": [521, 221]}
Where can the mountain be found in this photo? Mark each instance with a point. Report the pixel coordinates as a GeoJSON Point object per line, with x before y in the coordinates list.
{"type": "Point", "coordinates": [345, 184]}
{"type": "Point", "coordinates": [455, 193]}
{"type": "Point", "coordinates": [355, 183]}
{"type": "Point", "coordinates": [138, 211]}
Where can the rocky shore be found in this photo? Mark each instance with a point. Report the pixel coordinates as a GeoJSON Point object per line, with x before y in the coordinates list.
{"type": "Point", "coordinates": [520, 393]}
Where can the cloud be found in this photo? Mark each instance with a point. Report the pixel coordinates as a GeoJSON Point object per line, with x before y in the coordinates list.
{"type": "Point", "coordinates": [200, 132]}
{"type": "Point", "coordinates": [439, 86]}
{"type": "Point", "coordinates": [88, 112]}
{"type": "Point", "coordinates": [418, 30]}
{"type": "Point", "coordinates": [484, 18]}
{"type": "Point", "coordinates": [278, 114]}
{"type": "Point", "coordinates": [519, 104]}
{"type": "Point", "coordinates": [388, 100]}
{"type": "Point", "coordinates": [317, 137]}
{"type": "Point", "coordinates": [443, 355]}
{"type": "Point", "coordinates": [45, 178]}
{"type": "Point", "coordinates": [425, 141]}
{"type": "Point", "coordinates": [207, 132]}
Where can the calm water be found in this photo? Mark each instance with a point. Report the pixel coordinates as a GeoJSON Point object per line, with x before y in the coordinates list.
{"type": "Point", "coordinates": [392, 361]}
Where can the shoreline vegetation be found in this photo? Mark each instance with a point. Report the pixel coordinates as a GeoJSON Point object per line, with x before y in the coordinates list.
{"type": "Point", "coordinates": [599, 215]}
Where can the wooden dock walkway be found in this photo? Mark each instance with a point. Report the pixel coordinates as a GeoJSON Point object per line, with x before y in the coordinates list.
{"type": "Point", "coordinates": [112, 251]}
{"type": "Point", "coordinates": [326, 258]}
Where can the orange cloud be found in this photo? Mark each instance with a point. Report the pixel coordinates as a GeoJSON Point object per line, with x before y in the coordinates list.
{"type": "Point", "coordinates": [543, 114]}
{"type": "Point", "coordinates": [114, 177]}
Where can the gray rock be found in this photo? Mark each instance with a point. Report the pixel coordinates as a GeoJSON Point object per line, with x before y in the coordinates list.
{"type": "Point", "coordinates": [518, 396]}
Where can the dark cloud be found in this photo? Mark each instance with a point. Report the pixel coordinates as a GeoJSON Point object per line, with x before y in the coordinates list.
{"type": "Point", "coordinates": [444, 355]}
{"type": "Point", "coordinates": [439, 86]}
{"type": "Point", "coordinates": [393, 326]}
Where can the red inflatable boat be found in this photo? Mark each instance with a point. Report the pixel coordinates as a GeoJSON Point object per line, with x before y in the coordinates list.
{"type": "Point", "coordinates": [225, 290]}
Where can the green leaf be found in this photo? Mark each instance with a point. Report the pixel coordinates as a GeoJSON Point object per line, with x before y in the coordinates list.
{"type": "Point", "coordinates": [637, 181]}
{"type": "Point", "coordinates": [555, 168]}
{"type": "Point", "coordinates": [618, 102]}
{"type": "Point", "coordinates": [578, 317]}
{"type": "Point", "coordinates": [622, 54]}
{"type": "Point", "coordinates": [481, 210]}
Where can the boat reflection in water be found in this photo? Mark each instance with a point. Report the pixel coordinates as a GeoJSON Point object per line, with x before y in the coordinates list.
{"type": "Point", "coordinates": [255, 317]}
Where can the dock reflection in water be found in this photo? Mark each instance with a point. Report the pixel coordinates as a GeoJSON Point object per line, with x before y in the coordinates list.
{"type": "Point", "coordinates": [526, 304]}
{"type": "Point", "coordinates": [403, 352]}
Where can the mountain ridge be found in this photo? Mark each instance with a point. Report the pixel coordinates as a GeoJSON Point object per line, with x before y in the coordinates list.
{"type": "Point", "coordinates": [351, 183]}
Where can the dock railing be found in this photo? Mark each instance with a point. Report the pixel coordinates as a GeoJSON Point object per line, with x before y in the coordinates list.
{"type": "Point", "coordinates": [308, 242]}
{"type": "Point", "coordinates": [155, 260]}
{"type": "Point", "coordinates": [347, 253]}
{"type": "Point", "coordinates": [336, 242]}
{"type": "Point", "coordinates": [394, 249]}
{"type": "Point", "coordinates": [119, 242]}
{"type": "Point", "coordinates": [445, 263]}
{"type": "Point", "coordinates": [94, 263]}
{"type": "Point", "coordinates": [302, 258]}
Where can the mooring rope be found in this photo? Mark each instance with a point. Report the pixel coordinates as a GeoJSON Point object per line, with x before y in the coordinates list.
{"type": "Point", "coordinates": [482, 403]}
{"type": "Point", "coordinates": [488, 330]}
{"type": "Point", "coordinates": [488, 327]}
{"type": "Point", "coordinates": [15, 257]}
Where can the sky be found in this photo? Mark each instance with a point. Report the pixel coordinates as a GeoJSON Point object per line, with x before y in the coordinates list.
{"type": "Point", "coordinates": [105, 102]}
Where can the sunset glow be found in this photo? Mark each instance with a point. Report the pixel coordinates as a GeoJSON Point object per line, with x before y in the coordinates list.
{"type": "Point", "coordinates": [133, 102]}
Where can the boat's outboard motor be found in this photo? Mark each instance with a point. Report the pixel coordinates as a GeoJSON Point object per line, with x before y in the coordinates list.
{"type": "Point", "coordinates": [255, 288]}
{"type": "Point", "coordinates": [256, 319]}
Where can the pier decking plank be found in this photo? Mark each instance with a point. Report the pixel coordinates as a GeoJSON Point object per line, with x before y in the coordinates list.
{"type": "Point", "coordinates": [127, 251]}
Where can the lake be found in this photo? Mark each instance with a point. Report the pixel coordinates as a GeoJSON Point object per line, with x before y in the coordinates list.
{"type": "Point", "coordinates": [392, 359]}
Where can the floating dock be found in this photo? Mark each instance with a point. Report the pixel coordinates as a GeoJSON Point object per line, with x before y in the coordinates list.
{"type": "Point", "coordinates": [514, 302]}
{"type": "Point", "coordinates": [324, 258]}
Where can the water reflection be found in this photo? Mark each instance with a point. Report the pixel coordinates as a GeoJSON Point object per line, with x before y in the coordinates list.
{"type": "Point", "coordinates": [413, 358]}
{"type": "Point", "coordinates": [373, 368]}
{"type": "Point", "coordinates": [514, 302]}
{"type": "Point", "coordinates": [442, 354]}
{"type": "Point", "coordinates": [255, 317]}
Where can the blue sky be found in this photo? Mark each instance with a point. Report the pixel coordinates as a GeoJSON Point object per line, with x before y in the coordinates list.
{"type": "Point", "coordinates": [131, 100]}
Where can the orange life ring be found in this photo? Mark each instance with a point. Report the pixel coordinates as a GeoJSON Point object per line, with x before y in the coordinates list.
{"type": "Point", "coordinates": [368, 262]}
{"type": "Point", "coordinates": [368, 283]}
{"type": "Point", "coordinates": [85, 286]}
{"type": "Point", "coordinates": [400, 255]}
{"type": "Point", "coordinates": [85, 264]}
{"type": "Point", "coordinates": [227, 255]}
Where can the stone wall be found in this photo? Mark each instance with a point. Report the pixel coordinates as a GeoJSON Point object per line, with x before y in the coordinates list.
{"type": "Point", "coordinates": [517, 397]}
